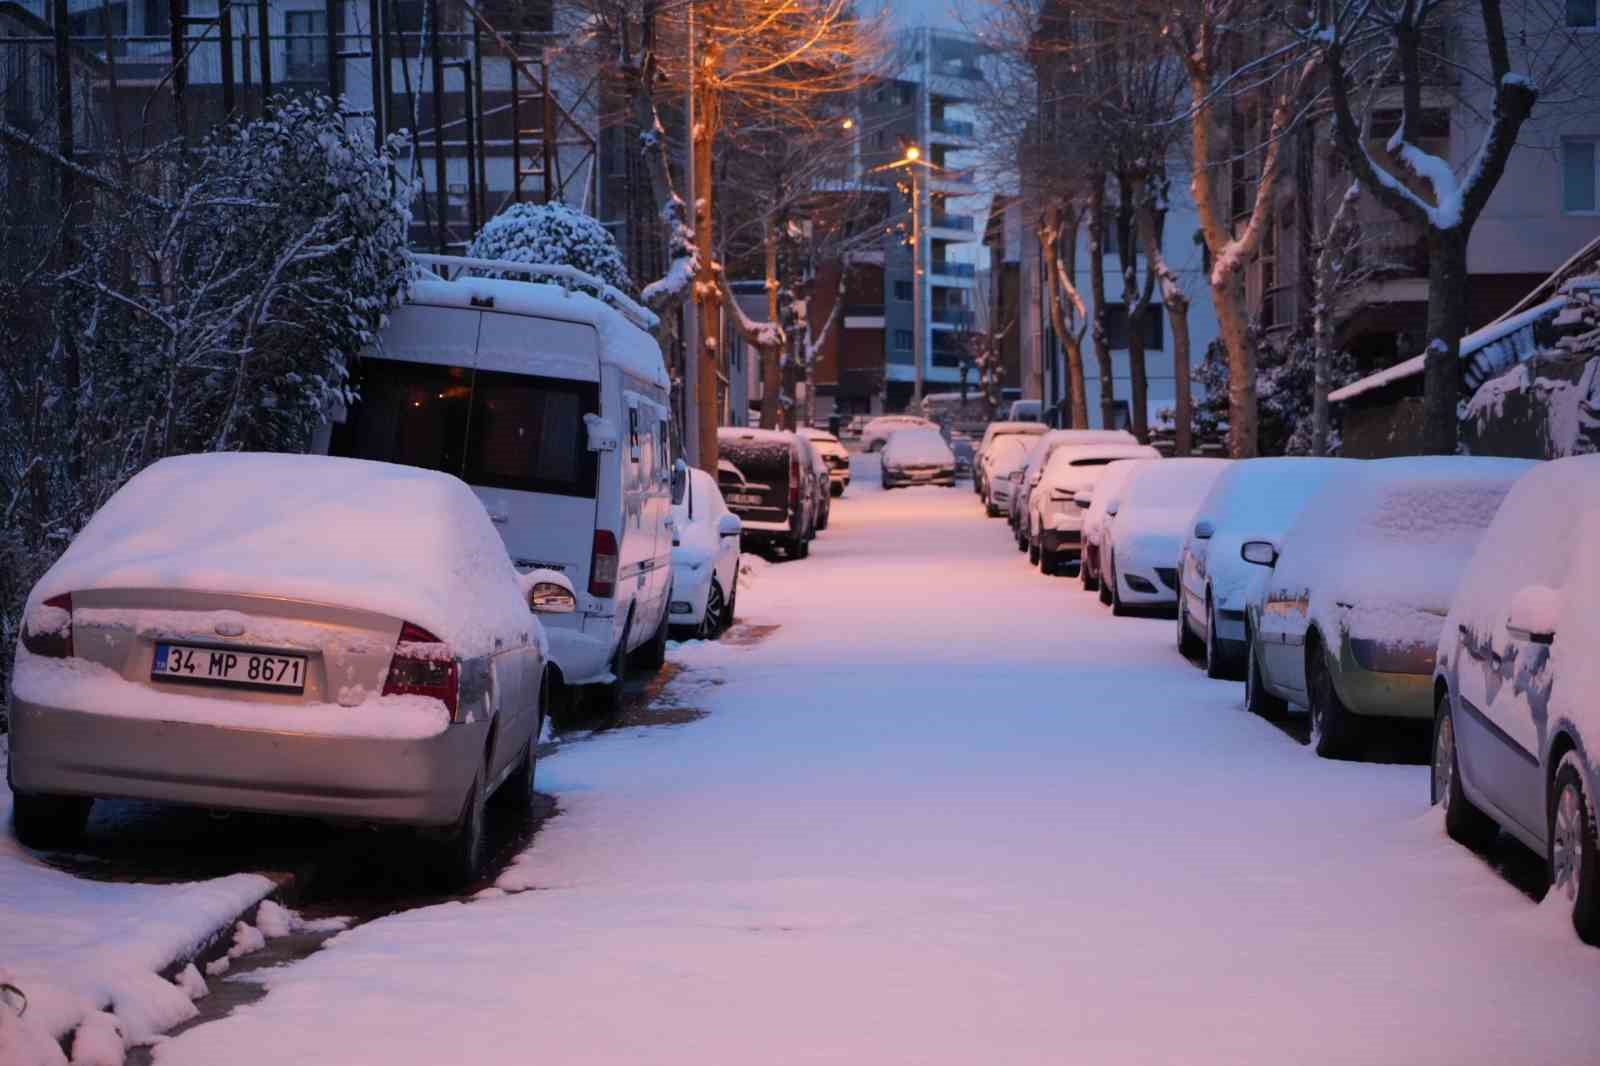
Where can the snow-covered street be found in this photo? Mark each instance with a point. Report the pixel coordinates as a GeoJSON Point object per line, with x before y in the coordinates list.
{"type": "Point", "coordinates": [949, 812]}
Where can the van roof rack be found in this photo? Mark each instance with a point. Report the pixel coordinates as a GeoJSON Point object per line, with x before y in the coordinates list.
{"type": "Point", "coordinates": [443, 265]}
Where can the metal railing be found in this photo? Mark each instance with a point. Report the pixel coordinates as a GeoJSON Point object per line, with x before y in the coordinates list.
{"type": "Point", "coordinates": [952, 127]}
{"type": "Point", "coordinates": [945, 268]}
{"type": "Point", "coordinates": [946, 220]}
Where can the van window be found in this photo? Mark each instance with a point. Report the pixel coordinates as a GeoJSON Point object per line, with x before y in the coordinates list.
{"type": "Point", "coordinates": [509, 431]}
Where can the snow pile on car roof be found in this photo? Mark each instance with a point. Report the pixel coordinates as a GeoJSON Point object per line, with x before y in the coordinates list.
{"type": "Point", "coordinates": [398, 540]}
{"type": "Point", "coordinates": [1392, 540]}
{"type": "Point", "coordinates": [1073, 464]}
{"type": "Point", "coordinates": [1108, 490]}
{"type": "Point", "coordinates": [697, 538]}
{"type": "Point", "coordinates": [917, 445]}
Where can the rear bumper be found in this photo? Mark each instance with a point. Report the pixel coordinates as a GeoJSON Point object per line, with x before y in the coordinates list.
{"type": "Point", "coordinates": [1061, 542]}
{"type": "Point", "coordinates": [421, 781]}
{"type": "Point", "coordinates": [1382, 694]}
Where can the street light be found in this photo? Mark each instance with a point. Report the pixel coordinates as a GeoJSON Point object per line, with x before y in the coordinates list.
{"type": "Point", "coordinates": [914, 162]}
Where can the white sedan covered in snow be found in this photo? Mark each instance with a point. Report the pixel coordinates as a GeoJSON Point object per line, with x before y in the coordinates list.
{"type": "Point", "coordinates": [705, 560]}
{"type": "Point", "coordinates": [1151, 519]}
{"type": "Point", "coordinates": [918, 457]}
{"type": "Point", "coordinates": [876, 433]}
{"type": "Point", "coordinates": [1055, 521]}
{"type": "Point", "coordinates": [289, 634]}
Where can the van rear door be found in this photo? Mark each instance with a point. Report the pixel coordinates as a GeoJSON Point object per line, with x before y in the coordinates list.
{"type": "Point", "coordinates": [763, 462]}
{"type": "Point", "coordinates": [527, 450]}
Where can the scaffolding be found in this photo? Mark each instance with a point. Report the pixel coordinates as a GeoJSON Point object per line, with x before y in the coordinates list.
{"type": "Point", "coordinates": [498, 111]}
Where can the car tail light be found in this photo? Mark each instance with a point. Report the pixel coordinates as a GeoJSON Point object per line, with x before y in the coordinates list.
{"type": "Point", "coordinates": [794, 484]}
{"type": "Point", "coordinates": [46, 633]}
{"type": "Point", "coordinates": [603, 564]}
{"type": "Point", "coordinates": [423, 666]}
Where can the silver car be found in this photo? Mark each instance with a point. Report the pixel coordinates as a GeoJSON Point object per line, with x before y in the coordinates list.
{"type": "Point", "coordinates": [289, 634]}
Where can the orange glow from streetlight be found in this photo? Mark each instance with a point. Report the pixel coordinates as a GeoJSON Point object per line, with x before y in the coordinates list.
{"type": "Point", "coordinates": [913, 153]}
{"type": "Point", "coordinates": [849, 123]}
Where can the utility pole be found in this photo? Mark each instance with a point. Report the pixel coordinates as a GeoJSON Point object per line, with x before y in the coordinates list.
{"type": "Point", "coordinates": [691, 308]}
{"type": "Point", "coordinates": [919, 336]}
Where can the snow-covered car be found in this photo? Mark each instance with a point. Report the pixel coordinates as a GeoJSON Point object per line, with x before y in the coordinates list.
{"type": "Point", "coordinates": [875, 434]}
{"type": "Point", "coordinates": [1515, 725]}
{"type": "Point", "coordinates": [1001, 458]}
{"type": "Point", "coordinates": [1096, 518]}
{"type": "Point", "coordinates": [705, 560]}
{"type": "Point", "coordinates": [1348, 623]}
{"type": "Point", "coordinates": [1142, 545]}
{"type": "Point", "coordinates": [770, 487]}
{"type": "Point", "coordinates": [1257, 499]}
{"type": "Point", "coordinates": [997, 431]}
{"type": "Point", "coordinates": [554, 406]}
{"type": "Point", "coordinates": [1039, 454]}
{"type": "Point", "coordinates": [821, 483]}
{"type": "Point", "coordinates": [834, 454]}
{"type": "Point", "coordinates": [1055, 521]}
{"type": "Point", "coordinates": [917, 457]}
{"type": "Point", "coordinates": [354, 644]}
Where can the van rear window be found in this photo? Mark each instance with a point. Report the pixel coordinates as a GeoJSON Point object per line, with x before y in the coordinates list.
{"type": "Point", "coordinates": [499, 430]}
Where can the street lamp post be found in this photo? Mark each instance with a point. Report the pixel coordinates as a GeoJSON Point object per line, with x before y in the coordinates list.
{"type": "Point", "coordinates": [919, 336]}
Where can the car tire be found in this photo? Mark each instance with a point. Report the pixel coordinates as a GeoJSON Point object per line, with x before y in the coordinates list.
{"type": "Point", "coordinates": [653, 656]}
{"type": "Point", "coordinates": [1466, 824]}
{"type": "Point", "coordinates": [1220, 665]}
{"type": "Point", "coordinates": [836, 489]}
{"type": "Point", "coordinates": [991, 510]}
{"type": "Point", "coordinates": [1335, 732]}
{"type": "Point", "coordinates": [1574, 855]}
{"type": "Point", "coordinates": [733, 604]}
{"type": "Point", "coordinates": [804, 550]}
{"type": "Point", "coordinates": [1107, 579]}
{"type": "Point", "coordinates": [460, 855]}
{"type": "Point", "coordinates": [1189, 645]}
{"type": "Point", "coordinates": [1048, 566]}
{"type": "Point", "coordinates": [516, 791]}
{"type": "Point", "coordinates": [1090, 580]}
{"type": "Point", "coordinates": [827, 512]}
{"type": "Point", "coordinates": [1117, 608]}
{"type": "Point", "coordinates": [712, 623]}
{"type": "Point", "coordinates": [47, 822]}
{"type": "Point", "coordinates": [607, 700]}
{"type": "Point", "coordinates": [1033, 551]}
{"type": "Point", "coordinates": [1257, 700]}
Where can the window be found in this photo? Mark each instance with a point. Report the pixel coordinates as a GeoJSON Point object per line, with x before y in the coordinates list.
{"type": "Point", "coordinates": [1582, 14]}
{"type": "Point", "coordinates": [509, 431]}
{"type": "Point", "coordinates": [308, 45]}
{"type": "Point", "coordinates": [903, 341]}
{"type": "Point", "coordinates": [1578, 175]}
{"type": "Point", "coordinates": [1155, 337]}
{"type": "Point", "coordinates": [903, 290]}
{"type": "Point", "coordinates": [905, 94]}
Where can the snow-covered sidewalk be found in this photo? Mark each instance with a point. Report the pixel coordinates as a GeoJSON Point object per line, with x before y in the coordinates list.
{"type": "Point", "coordinates": [951, 812]}
{"type": "Point", "coordinates": [76, 946]}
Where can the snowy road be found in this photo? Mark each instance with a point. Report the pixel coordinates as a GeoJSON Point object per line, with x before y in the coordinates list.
{"type": "Point", "coordinates": [951, 812]}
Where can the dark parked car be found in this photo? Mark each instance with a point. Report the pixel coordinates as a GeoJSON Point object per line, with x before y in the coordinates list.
{"type": "Point", "coordinates": [771, 487]}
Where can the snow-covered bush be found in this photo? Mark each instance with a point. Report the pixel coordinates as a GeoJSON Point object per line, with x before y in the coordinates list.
{"type": "Point", "coordinates": [1285, 376]}
{"type": "Point", "coordinates": [553, 234]}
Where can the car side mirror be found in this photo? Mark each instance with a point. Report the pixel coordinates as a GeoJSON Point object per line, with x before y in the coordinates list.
{"type": "Point", "coordinates": [680, 480]}
{"type": "Point", "coordinates": [548, 592]}
{"type": "Point", "coordinates": [1204, 530]}
{"type": "Point", "coordinates": [1112, 509]}
{"type": "Point", "coordinates": [1533, 615]}
{"type": "Point", "coordinates": [729, 525]}
{"type": "Point", "coordinates": [1259, 552]}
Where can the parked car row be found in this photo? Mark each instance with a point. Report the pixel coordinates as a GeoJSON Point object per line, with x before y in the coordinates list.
{"type": "Point", "coordinates": [1363, 593]}
{"type": "Point", "coordinates": [500, 533]}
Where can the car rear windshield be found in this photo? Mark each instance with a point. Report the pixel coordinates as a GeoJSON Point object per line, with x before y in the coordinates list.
{"type": "Point", "coordinates": [764, 461]}
{"type": "Point", "coordinates": [509, 431]}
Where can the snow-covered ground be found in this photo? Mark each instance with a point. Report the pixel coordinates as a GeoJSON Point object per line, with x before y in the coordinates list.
{"type": "Point", "coordinates": [76, 946]}
{"type": "Point", "coordinates": [951, 812]}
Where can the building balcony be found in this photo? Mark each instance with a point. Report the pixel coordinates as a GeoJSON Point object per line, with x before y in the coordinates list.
{"type": "Point", "coordinates": [863, 310]}
{"type": "Point", "coordinates": [946, 220]}
{"type": "Point", "coordinates": [947, 269]}
{"type": "Point", "coordinates": [952, 316]}
{"type": "Point", "coordinates": [951, 127]}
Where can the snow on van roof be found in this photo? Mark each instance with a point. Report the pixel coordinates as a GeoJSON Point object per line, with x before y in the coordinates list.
{"type": "Point", "coordinates": [398, 540]}
{"type": "Point", "coordinates": [621, 341]}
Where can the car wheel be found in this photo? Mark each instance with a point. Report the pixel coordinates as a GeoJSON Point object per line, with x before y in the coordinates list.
{"type": "Point", "coordinates": [49, 823]}
{"type": "Point", "coordinates": [1188, 643]}
{"type": "Point", "coordinates": [1219, 664]}
{"type": "Point", "coordinates": [712, 623]}
{"type": "Point", "coordinates": [1257, 700]}
{"type": "Point", "coordinates": [608, 698]}
{"type": "Point", "coordinates": [826, 512]}
{"type": "Point", "coordinates": [460, 856]}
{"type": "Point", "coordinates": [1574, 856]}
{"type": "Point", "coordinates": [804, 549]}
{"type": "Point", "coordinates": [1086, 574]}
{"type": "Point", "coordinates": [1117, 607]}
{"type": "Point", "coordinates": [1033, 551]}
{"type": "Point", "coordinates": [836, 489]}
{"type": "Point", "coordinates": [1465, 823]}
{"type": "Point", "coordinates": [516, 792]}
{"type": "Point", "coordinates": [733, 603]}
{"type": "Point", "coordinates": [1047, 563]}
{"type": "Point", "coordinates": [991, 510]}
{"type": "Point", "coordinates": [1107, 581]}
{"type": "Point", "coordinates": [653, 656]}
{"type": "Point", "coordinates": [1335, 732]}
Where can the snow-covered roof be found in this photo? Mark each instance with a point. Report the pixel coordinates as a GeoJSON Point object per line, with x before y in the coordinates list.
{"type": "Point", "coordinates": [621, 341]}
{"type": "Point", "coordinates": [325, 533]}
{"type": "Point", "coordinates": [1470, 344]}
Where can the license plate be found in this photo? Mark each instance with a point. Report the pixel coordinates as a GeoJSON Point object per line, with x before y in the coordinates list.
{"type": "Point", "coordinates": [233, 667]}
{"type": "Point", "coordinates": [745, 499]}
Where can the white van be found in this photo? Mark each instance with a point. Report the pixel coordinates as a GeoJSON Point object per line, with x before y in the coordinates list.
{"type": "Point", "coordinates": [553, 406]}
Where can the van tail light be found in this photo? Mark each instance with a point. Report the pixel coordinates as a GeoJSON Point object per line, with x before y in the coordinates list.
{"type": "Point", "coordinates": [47, 631]}
{"type": "Point", "coordinates": [603, 564]}
{"type": "Point", "coordinates": [424, 666]}
{"type": "Point", "coordinates": [794, 484]}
